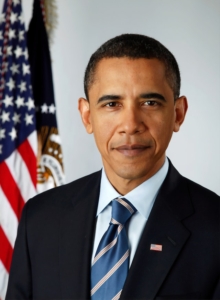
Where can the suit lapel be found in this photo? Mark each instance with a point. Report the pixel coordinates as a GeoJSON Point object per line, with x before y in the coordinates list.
{"type": "Point", "coordinates": [76, 240]}
{"type": "Point", "coordinates": [150, 268]}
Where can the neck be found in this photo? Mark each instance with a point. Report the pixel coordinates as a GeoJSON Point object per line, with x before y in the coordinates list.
{"type": "Point", "coordinates": [124, 185]}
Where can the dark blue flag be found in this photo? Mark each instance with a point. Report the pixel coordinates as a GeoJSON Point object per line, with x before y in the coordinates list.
{"type": "Point", "coordinates": [50, 164]}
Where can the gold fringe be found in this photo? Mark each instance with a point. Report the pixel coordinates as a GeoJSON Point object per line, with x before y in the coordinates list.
{"type": "Point", "coordinates": [51, 18]}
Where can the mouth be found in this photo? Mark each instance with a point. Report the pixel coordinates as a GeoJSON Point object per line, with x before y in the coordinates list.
{"type": "Point", "coordinates": [132, 150]}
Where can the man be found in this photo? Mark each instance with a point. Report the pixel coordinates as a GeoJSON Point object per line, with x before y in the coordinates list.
{"type": "Point", "coordinates": [163, 241]}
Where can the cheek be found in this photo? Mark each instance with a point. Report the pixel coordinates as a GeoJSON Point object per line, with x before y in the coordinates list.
{"type": "Point", "coordinates": [103, 131]}
{"type": "Point", "coordinates": [162, 128]}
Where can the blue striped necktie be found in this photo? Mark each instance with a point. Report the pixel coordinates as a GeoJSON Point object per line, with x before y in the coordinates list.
{"type": "Point", "coordinates": [111, 261]}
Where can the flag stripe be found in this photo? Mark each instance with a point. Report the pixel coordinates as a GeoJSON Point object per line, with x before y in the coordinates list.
{"type": "Point", "coordinates": [8, 219]}
{"type": "Point", "coordinates": [11, 190]}
{"type": "Point", "coordinates": [29, 158]}
{"type": "Point", "coordinates": [21, 175]}
{"type": "Point", "coordinates": [5, 250]}
{"type": "Point", "coordinates": [4, 280]}
{"type": "Point", "coordinates": [32, 139]}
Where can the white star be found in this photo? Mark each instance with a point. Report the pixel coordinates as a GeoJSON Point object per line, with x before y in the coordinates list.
{"type": "Point", "coordinates": [1, 36]}
{"type": "Point", "coordinates": [13, 17]}
{"type": "Point", "coordinates": [21, 35]}
{"type": "Point", "coordinates": [30, 104]}
{"type": "Point", "coordinates": [15, 2]}
{"type": "Point", "coordinates": [18, 52]}
{"type": "Point", "coordinates": [26, 69]}
{"type": "Point", "coordinates": [22, 86]}
{"type": "Point", "coordinates": [11, 34]}
{"type": "Point", "coordinates": [8, 101]}
{"type": "Point", "coordinates": [5, 117]}
{"type": "Point", "coordinates": [2, 134]}
{"type": "Point", "coordinates": [9, 50]}
{"type": "Point", "coordinates": [2, 18]}
{"type": "Point", "coordinates": [13, 133]}
{"type": "Point", "coordinates": [14, 69]}
{"type": "Point", "coordinates": [44, 108]}
{"type": "Point", "coordinates": [16, 118]}
{"type": "Point", "coordinates": [21, 19]}
{"type": "Point", "coordinates": [25, 53]}
{"type": "Point", "coordinates": [19, 102]}
{"type": "Point", "coordinates": [52, 109]}
{"type": "Point", "coordinates": [0, 149]}
{"type": "Point", "coordinates": [28, 119]}
{"type": "Point", "coordinates": [11, 84]}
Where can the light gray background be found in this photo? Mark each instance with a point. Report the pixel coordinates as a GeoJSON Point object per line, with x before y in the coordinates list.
{"type": "Point", "coordinates": [190, 29]}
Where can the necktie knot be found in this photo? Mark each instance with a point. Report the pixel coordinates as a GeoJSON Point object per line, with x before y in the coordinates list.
{"type": "Point", "coordinates": [122, 210]}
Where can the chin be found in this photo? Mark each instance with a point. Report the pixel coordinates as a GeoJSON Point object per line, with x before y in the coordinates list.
{"type": "Point", "coordinates": [131, 172]}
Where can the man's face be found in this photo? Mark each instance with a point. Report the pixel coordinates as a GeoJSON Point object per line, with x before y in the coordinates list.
{"type": "Point", "coordinates": [132, 113]}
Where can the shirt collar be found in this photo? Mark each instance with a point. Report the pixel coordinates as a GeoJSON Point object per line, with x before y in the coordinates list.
{"type": "Point", "coordinates": [142, 197]}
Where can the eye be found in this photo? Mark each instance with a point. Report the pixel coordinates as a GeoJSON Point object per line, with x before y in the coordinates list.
{"type": "Point", "coordinates": [151, 103]}
{"type": "Point", "coordinates": [112, 104]}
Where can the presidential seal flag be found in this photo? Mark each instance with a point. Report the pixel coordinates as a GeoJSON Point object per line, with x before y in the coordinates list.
{"type": "Point", "coordinates": [18, 139]}
{"type": "Point", "coordinates": [50, 158]}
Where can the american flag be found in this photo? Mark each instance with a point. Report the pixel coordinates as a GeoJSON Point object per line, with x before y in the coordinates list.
{"type": "Point", "coordinates": [18, 141]}
{"type": "Point", "coordinates": [155, 247]}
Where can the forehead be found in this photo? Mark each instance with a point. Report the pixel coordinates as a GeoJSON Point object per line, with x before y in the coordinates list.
{"type": "Point", "coordinates": [126, 72]}
{"type": "Point", "coordinates": [128, 64]}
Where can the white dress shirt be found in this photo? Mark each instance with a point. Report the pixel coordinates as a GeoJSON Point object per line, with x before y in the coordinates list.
{"type": "Point", "coordinates": [142, 197]}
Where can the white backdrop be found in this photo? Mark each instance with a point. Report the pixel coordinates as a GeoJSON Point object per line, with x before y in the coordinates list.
{"type": "Point", "coordinates": [189, 29]}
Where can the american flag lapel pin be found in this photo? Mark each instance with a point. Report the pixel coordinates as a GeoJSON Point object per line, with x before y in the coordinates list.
{"type": "Point", "coordinates": [155, 247]}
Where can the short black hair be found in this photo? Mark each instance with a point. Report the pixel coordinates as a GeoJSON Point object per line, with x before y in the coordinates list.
{"type": "Point", "coordinates": [135, 46]}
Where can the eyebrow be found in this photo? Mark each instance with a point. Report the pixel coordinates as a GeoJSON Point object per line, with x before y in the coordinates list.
{"type": "Point", "coordinates": [153, 95]}
{"type": "Point", "coordinates": [108, 97]}
{"type": "Point", "coordinates": [143, 96]}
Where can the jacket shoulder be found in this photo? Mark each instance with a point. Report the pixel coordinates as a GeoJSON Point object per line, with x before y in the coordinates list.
{"type": "Point", "coordinates": [60, 196]}
{"type": "Point", "coordinates": [204, 200]}
{"type": "Point", "coordinates": [198, 190]}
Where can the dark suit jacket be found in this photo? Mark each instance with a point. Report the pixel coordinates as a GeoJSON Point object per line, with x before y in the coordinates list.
{"type": "Point", "coordinates": [52, 256]}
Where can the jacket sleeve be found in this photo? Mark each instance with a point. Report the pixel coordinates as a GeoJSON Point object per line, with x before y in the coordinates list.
{"type": "Point", "coordinates": [216, 294]}
{"type": "Point", "coordinates": [20, 281]}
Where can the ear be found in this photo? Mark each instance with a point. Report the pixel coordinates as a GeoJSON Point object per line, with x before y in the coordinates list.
{"type": "Point", "coordinates": [84, 109]}
{"type": "Point", "coordinates": [180, 107]}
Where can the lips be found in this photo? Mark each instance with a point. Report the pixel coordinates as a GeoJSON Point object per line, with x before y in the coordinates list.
{"type": "Point", "coordinates": [132, 150]}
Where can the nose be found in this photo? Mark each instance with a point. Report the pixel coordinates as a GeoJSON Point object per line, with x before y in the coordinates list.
{"type": "Point", "coordinates": [131, 121]}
